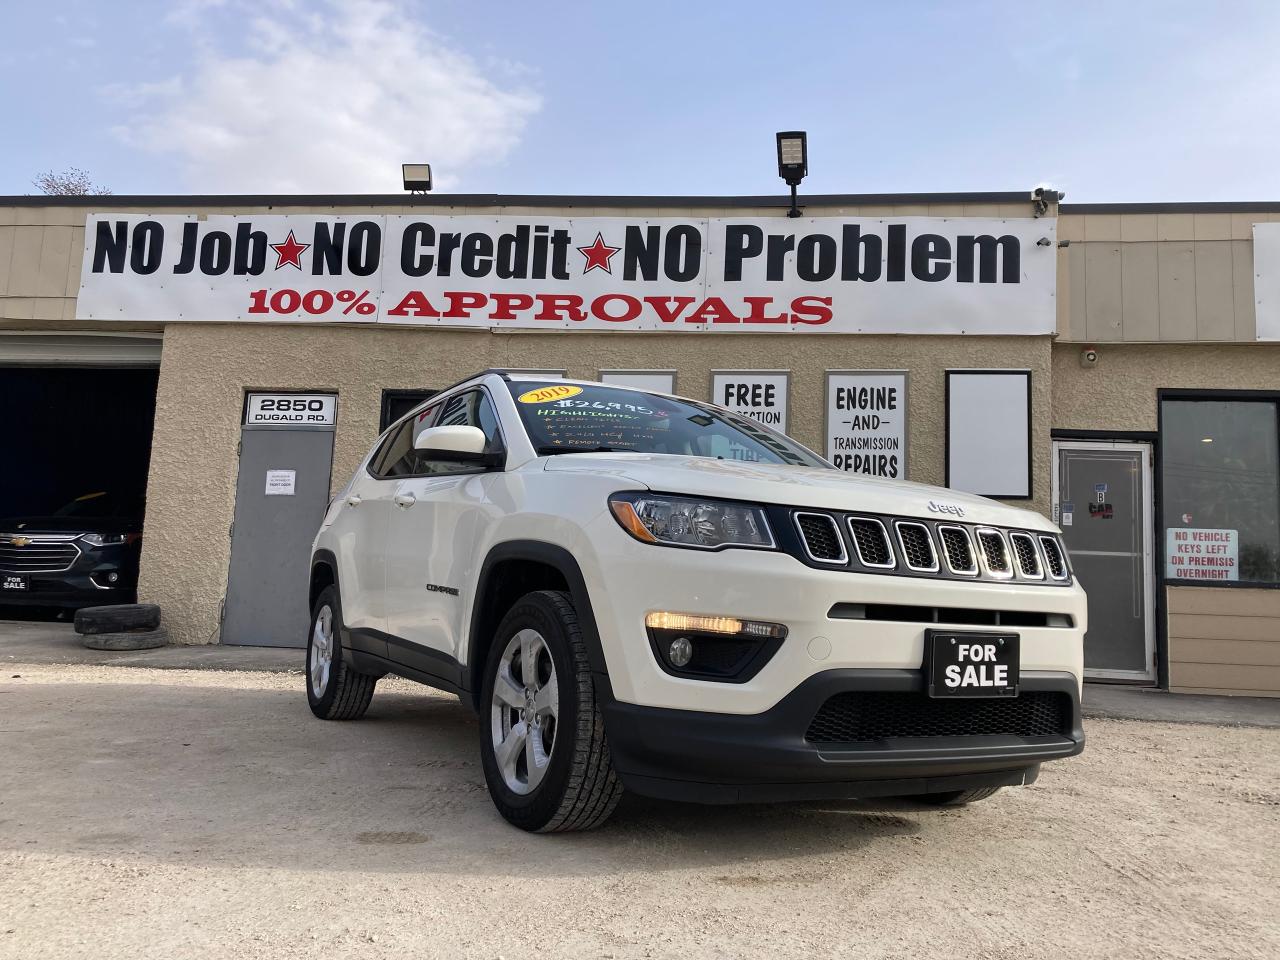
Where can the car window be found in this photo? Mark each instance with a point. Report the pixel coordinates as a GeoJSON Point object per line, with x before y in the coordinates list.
{"type": "Point", "coordinates": [569, 418]}
{"type": "Point", "coordinates": [470, 409]}
{"type": "Point", "coordinates": [397, 457]}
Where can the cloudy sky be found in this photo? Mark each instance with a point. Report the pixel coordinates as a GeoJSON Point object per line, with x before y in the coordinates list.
{"type": "Point", "coordinates": [1108, 101]}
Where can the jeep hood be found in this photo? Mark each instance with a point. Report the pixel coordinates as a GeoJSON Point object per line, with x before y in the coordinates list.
{"type": "Point", "coordinates": [827, 489]}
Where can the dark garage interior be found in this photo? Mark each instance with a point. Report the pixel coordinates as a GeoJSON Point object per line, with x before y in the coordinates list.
{"type": "Point", "coordinates": [75, 442]}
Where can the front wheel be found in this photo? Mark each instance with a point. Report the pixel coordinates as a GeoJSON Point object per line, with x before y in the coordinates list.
{"type": "Point", "coordinates": [542, 742]}
{"type": "Point", "coordinates": [334, 690]}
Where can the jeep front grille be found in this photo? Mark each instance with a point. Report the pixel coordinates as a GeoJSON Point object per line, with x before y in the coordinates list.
{"type": "Point", "coordinates": [821, 537]}
{"type": "Point", "coordinates": [872, 542]}
{"type": "Point", "coordinates": [1024, 549]}
{"type": "Point", "coordinates": [995, 555]}
{"type": "Point", "coordinates": [1053, 557]}
{"type": "Point", "coordinates": [919, 547]}
{"type": "Point", "coordinates": [958, 549]}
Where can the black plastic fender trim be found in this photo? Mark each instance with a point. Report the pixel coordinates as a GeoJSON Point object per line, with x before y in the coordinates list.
{"type": "Point", "coordinates": [559, 559]}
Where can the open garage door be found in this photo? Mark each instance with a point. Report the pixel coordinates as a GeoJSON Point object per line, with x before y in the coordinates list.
{"type": "Point", "coordinates": [75, 440]}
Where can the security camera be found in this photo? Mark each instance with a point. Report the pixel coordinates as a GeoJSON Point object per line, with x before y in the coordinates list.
{"type": "Point", "coordinates": [1089, 357]}
{"type": "Point", "coordinates": [1040, 198]}
{"type": "Point", "coordinates": [1044, 242]}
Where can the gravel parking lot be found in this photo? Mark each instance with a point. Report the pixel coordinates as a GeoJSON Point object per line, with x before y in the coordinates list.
{"type": "Point", "coordinates": [174, 814]}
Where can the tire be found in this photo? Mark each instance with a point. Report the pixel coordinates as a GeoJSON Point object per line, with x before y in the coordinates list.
{"type": "Point", "coordinates": [957, 798]}
{"type": "Point", "coordinates": [338, 692]}
{"type": "Point", "coordinates": [128, 640]}
{"type": "Point", "coordinates": [573, 786]}
{"type": "Point", "coordinates": [117, 619]}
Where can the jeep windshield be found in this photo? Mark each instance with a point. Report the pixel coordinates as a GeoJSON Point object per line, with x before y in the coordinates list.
{"type": "Point", "coordinates": [573, 418]}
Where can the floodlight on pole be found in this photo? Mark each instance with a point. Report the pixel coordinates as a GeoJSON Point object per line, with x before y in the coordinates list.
{"type": "Point", "coordinates": [793, 162]}
{"type": "Point", "coordinates": [417, 177]}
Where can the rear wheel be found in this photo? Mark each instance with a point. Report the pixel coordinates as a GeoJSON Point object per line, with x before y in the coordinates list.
{"type": "Point", "coordinates": [957, 798]}
{"type": "Point", "coordinates": [542, 741]}
{"type": "Point", "coordinates": [334, 690]}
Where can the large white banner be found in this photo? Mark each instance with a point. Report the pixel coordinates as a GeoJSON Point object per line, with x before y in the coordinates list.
{"type": "Point", "coordinates": [1266, 279]}
{"type": "Point", "coordinates": [914, 275]}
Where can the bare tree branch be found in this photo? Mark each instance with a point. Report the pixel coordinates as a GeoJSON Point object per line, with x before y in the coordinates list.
{"type": "Point", "coordinates": [72, 182]}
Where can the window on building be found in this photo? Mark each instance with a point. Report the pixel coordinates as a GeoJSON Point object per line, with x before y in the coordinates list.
{"type": "Point", "coordinates": [396, 403]}
{"type": "Point", "coordinates": [1220, 463]}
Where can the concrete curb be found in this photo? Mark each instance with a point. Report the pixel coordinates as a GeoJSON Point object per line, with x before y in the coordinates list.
{"type": "Point", "coordinates": [1109, 701]}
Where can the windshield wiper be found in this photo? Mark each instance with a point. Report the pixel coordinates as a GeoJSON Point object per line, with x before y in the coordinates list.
{"type": "Point", "coordinates": [548, 451]}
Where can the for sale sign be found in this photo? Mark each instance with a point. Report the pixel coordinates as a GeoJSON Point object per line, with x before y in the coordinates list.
{"type": "Point", "coordinates": [760, 395]}
{"type": "Point", "coordinates": [867, 422]}
{"type": "Point", "coordinates": [1197, 553]}
{"type": "Point", "coordinates": [770, 275]}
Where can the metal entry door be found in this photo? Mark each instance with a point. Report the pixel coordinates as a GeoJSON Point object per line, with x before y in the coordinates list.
{"type": "Point", "coordinates": [281, 496]}
{"type": "Point", "coordinates": [1102, 501]}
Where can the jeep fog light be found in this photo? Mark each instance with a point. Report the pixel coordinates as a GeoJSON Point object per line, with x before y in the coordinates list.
{"type": "Point", "coordinates": [681, 652]}
{"type": "Point", "coordinates": [725, 649]}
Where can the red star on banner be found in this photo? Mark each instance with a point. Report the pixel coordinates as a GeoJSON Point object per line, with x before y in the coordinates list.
{"type": "Point", "coordinates": [289, 252]}
{"type": "Point", "coordinates": [598, 255]}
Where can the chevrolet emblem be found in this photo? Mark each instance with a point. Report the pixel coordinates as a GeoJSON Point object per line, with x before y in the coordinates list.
{"type": "Point", "coordinates": [20, 541]}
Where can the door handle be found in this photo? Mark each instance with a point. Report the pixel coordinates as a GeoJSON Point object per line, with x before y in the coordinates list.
{"type": "Point", "coordinates": [405, 500]}
{"type": "Point", "coordinates": [354, 501]}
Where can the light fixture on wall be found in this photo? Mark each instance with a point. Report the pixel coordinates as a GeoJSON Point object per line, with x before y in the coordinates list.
{"type": "Point", "coordinates": [793, 162]}
{"type": "Point", "coordinates": [417, 177]}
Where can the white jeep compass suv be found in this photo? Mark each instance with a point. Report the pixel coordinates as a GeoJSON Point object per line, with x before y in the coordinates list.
{"type": "Point", "coordinates": [647, 592]}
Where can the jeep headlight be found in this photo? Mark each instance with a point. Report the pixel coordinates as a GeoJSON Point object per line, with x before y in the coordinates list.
{"type": "Point", "coordinates": [691, 521]}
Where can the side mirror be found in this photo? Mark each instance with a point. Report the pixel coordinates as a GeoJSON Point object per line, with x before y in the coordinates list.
{"type": "Point", "coordinates": [459, 444]}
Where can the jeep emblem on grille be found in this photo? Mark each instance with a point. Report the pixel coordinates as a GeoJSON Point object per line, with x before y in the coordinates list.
{"type": "Point", "coordinates": [952, 508]}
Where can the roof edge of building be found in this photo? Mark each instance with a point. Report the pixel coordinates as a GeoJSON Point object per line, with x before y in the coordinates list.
{"type": "Point", "coordinates": [1192, 206]}
{"type": "Point", "coordinates": [513, 200]}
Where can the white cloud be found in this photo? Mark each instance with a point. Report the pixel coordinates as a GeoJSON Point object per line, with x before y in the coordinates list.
{"type": "Point", "coordinates": [328, 102]}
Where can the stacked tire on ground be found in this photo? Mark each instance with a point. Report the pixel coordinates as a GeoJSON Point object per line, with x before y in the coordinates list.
{"type": "Point", "coordinates": [127, 626]}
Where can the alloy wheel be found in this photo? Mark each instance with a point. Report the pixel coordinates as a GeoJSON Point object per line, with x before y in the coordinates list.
{"type": "Point", "coordinates": [525, 711]}
{"type": "Point", "coordinates": [321, 651]}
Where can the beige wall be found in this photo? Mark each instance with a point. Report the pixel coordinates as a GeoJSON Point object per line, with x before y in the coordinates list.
{"type": "Point", "coordinates": [207, 367]}
{"type": "Point", "coordinates": [1157, 277]}
{"type": "Point", "coordinates": [1224, 641]}
{"type": "Point", "coordinates": [1120, 392]}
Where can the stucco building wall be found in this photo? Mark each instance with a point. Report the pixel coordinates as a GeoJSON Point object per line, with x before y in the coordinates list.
{"type": "Point", "coordinates": [1119, 393]}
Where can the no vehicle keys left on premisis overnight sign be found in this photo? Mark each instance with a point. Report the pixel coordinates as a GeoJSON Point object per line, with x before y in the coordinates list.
{"type": "Point", "coordinates": [762, 275]}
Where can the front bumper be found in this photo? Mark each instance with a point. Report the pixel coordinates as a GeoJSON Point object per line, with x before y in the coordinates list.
{"type": "Point", "coordinates": [777, 588]}
{"type": "Point", "coordinates": [728, 758]}
{"type": "Point", "coordinates": [86, 583]}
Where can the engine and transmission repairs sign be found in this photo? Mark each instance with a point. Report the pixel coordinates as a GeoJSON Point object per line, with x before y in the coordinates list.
{"type": "Point", "coordinates": [867, 422]}
{"type": "Point", "coordinates": [1198, 553]}
{"type": "Point", "coordinates": [915, 275]}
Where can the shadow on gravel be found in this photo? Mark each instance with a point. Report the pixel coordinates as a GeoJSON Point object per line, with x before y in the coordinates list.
{"type": "Point", "coordinates": [247, 777]}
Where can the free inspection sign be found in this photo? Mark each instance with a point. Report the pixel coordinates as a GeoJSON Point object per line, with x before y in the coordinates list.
{"type": "Point", "coordinates": [918, 275]}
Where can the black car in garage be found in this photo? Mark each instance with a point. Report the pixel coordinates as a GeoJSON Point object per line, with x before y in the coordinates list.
{"type": "Point", "coordinates": [84, 554]}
